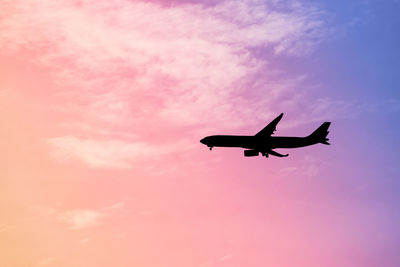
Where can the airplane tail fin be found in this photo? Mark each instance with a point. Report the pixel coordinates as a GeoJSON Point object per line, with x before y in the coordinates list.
{"type": "Point", "coordinates": [321, 133]}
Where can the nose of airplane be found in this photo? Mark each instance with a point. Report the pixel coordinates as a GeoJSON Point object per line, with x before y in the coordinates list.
{"type": "Point", "coordinates": [203, 141]}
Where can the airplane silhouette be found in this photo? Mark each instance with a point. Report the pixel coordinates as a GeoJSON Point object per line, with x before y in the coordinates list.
{"type": "Point", "coordinates": [263, 142]}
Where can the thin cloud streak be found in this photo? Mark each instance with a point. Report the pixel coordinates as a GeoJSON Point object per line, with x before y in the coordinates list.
{"type": "Point", "coordinates": [106, 153]}
{"type": "Point", "coordinates": [77, 219]}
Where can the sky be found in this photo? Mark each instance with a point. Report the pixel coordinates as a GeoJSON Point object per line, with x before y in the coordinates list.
{"type": "Point", "coordinates": [103, 104]}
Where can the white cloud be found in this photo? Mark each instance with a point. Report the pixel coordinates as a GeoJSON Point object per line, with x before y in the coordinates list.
{"type": "Point", "coordinates": [78, 219]}
{"type": "Point", "coordinates": [85, 218]}
{"type": "Point", "coordinates": [138, 67]}
{"type": "Point", "coordinates": [108, 153]}
{"type": "Point", "coordinates": [312, 166]}
{"type": "Point", "coordinates": [309, 110]}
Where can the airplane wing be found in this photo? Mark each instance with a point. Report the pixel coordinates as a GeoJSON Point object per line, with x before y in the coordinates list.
{"type": "Point", "coordinates": [270, 128]}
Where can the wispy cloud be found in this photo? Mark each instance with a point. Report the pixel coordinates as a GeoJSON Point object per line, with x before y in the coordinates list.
{"type": "Point", "coordinates": [330, 109]}
{"type": "Point", "coordinates": [106, 153]}
{"type": "Point", "coordinates": [84, 218]}
{"type": "Point", "coordinates": [77, 219]}
{"type": "Point", "coordinates": [139, 67]}
{"type": "Point", "coordinates": [310, 167]}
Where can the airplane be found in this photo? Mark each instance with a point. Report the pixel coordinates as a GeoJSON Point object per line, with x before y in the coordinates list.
{"type": "Point", "coordinates": [263, 142]}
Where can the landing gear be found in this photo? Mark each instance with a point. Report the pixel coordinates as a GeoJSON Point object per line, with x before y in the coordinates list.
{"type": "Point", "coordinates": [264, 155]}
{"type": "Point", "coordinates": [210, 147]}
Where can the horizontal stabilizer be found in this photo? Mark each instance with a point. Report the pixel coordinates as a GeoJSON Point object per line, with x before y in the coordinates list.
{"type": "Point", "coordinates": [326, 141]}
{"type": "Point", "coordinates": [276, 154]}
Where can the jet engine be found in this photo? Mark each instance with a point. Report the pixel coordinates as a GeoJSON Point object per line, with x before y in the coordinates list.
{"type": "Point", "coordinates": [250, 153]}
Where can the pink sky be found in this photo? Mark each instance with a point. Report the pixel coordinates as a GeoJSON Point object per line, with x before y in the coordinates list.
{"type": "Point", "coordinates": [103, 104]}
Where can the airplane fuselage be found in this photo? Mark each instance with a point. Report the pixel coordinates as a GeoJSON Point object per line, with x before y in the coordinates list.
{"type": "Point", "coordinates": [253, 142]}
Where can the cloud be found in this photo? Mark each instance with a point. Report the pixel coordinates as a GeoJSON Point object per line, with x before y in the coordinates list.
{"type": "Point", "coordinates": [310, 167]}
{"type": "Point", "coordinates": [108, 153]}
{"type": "Point", "coordinates": [308, 110]}
{"type": "Point", "coordinates": [78, 219]}
{"type": "Point", "coordinates": [141, 67]}
{"type": "Point", "coordinates": [84, 218]}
